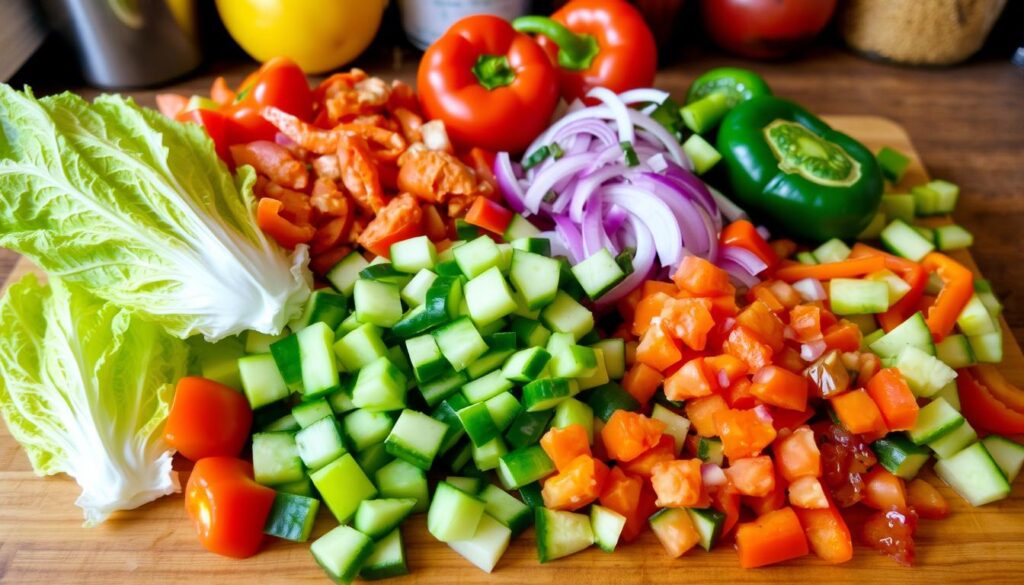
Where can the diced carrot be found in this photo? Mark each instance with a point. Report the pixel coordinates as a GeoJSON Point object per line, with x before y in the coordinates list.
{"type": "Point", "coordinates": [894, 399]}
{"type": "Point", "coordinates": [773, 501]}
{"type": "Point", "coordinates": [806, 323]}
{"type": "Point", "coordinates": [688, 320]}
{"type": "Point", "coordinates": [649, 287]}
{"type": "Point", "coordinates": [701, 413]}
{"type": "Point", "coordinates": [642, 381]}
{"type": "Point", "coordinates": [743, 432]}
{"type": "Point", "coordinates": [926, 500]}
{"type": "Point", "coordinates": [702, 278]}
{"type": "Point", "coordinates": [677, 483]}
{"type": "Point", "coordinates": [636, 519]}
{"type": "Point", "coordinates": [725, 368]}
{"type": "Point", "coordinates": [744, 344]}
{"type": "Point", "coordinates": [858, 412]}
{"type": "Point", "coordinates": [621, 492]}
{"type": "Point", "coordinates": [780, 387]}
{"type": "Point", "coordinates": [827, 533]}
{"type": "Point", "coordinates": [628, 434]}
{"type": "Point", "coordinates": [675, 531]}
{"type": "Point", "coordinates": [489, 215]}
{"type": "Point", "coordinates": [643, 465]}
{"type": "Point", "coordinates": [657, 349]}
{"type": "Point", "coordinates": [752, 476]}
{"type": "Point", "coordinates": [760, 320]}
{"type": "Point", "coordinates": [797, 455]}
{"type": "Point", "coordinates": [726, 500]}
{"type": "Point", "coordinates": [693, 380]}
{"type": "Point", "coordinates": [563, 445]}
{"type": "Point", "coordinates": [626, 306]}
{"type": "Point", "coordinates": [884, 491]}
{"type": "Point", "coordinates": [738, 395]}
{"type": "Point", "coordinates": [844, 336]}
{"type": "Point", "coordinates": [807, 492]}
{"type": "Point", "coordinates": [772, 538]}
{"type": "Point", "coordinates": [576, 486]}
{"type": "Point", "coordinates": [647, 309]}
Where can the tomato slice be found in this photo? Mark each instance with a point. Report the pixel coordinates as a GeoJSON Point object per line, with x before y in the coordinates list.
{"type": "Point", "coordinates": [892, 533]}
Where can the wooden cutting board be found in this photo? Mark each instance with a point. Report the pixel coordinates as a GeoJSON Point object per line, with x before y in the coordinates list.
{"type": "Point", "coordinates": [41, 540]}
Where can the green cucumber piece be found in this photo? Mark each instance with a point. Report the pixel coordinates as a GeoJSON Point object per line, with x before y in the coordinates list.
{"type": "Point", "coordinates": [974, 475]}
{"type": "Point", "coordinates": [607, 525]}
{"type": "Point", "coordinates": [377, 518]}
{"type": "Point", "coordinates": [291, 517]}
{"type": "Point", "coordinates": [342, 552]}
{"type": "Point", "coordinates": [560, 534]}
{"type": "Point", "coordinates": [343, 486]}
{"type": "Point", "coordinates": [453, 514]}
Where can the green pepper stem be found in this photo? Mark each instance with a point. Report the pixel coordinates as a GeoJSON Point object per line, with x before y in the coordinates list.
{"type": "Point", "coordinates": [575, 52]}
{"type": "Point", "coordinates": [493, 71]}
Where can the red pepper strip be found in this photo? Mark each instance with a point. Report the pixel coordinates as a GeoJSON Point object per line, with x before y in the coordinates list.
{"type": "Point", "coordinates": [845, 269]}
{"type": "Point", "coordinates": [286, 233]}
{"type": "Point", "coordinates": [957, 288]}
{"type": "Point", "coordinates": [911, 272]}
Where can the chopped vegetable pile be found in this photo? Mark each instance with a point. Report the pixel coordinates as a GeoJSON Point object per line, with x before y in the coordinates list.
{"type": "Point", "coordinates": [592, 341]}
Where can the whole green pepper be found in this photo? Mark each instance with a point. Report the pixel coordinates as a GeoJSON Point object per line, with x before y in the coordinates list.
{"type": "Point", "coordinates": [793, 171]}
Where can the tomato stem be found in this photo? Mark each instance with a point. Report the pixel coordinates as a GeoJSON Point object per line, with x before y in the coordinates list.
{"type": "Point", "coordinates": [494, 71]}
{"type": "Point", "coordinates": [576, 52]}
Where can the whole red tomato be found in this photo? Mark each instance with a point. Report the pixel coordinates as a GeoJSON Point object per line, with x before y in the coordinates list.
{"type": "Point", "coordinates": [765, 29]}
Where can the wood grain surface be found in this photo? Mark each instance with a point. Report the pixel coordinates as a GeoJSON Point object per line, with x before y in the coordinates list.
{"type": "Point", "coordinates": [41, 541]}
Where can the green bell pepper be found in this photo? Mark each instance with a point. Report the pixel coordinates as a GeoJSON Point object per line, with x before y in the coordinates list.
{"type": "Point", "coordinates": [794, 172]}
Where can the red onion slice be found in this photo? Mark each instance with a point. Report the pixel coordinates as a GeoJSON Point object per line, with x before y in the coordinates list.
{"type": "Point", "coordinates": [643, 262]}
{"type": "Point", "coordinates": [567, 230]}
{"type": "Point", "coordinates": [508, 183]}
{"type": "Point", "coordinates": [810, 289]}
{"type": "Point", "coordinates": [750, 261]}
{"type": "Point", "coordinates": [544, 182]}
{"type": "Point", "coordinates": [655, 214]}
{"type": "Point", "coordinates": [620, 112]}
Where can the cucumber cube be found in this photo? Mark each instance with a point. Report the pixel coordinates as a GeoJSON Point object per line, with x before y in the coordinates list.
{"type": "Point", "coordinates": [380, 386]}
{"type": "Point", "coordinates": [598, 274]}
{"type": "Point", "coordinates": [416, 438]}
{"type": "Point", "coordinates": [413, 255]}
{"type": "Point", "coordinates": [360, 347]}
{"type": "Point", "coordinates": [261, 380]}
{"type": "Point", "coordinates": [535, 277]}
{"type": "Point", "coordinates": [275, 458]}
{"type": "Point", "coordinates": [292, 517]}
{"type": "Point", "coordinates": [485, 548]}
{"type": "Point", "coordinates": [365, 428]}
{"type": "Point", "coordinates": [343, 486]}
{"type": "Point", "coordinates": [488, 297]}
{"type": "Point", "coordinates": [476, 256]}
{"type": "Point", "coordinates": [567, 316]}
{"type": "Point", "coordinates": [378, 303]}
{"type": "Point", "coordinates": [401, 479]}
{"type": "Point", "coordinates": [342, 552]}
{"type": "Point", "coordinates": [320, 443]}
{"type": "Point", "coordinates": [454, 514]}
{"type": "Point", "coordinates": [974, 475]}
{"type": "Point", "coordinates": [849, 296]}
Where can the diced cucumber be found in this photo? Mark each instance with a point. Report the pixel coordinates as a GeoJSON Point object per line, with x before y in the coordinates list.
{"type": "Point", "coordinates": [275, 458]}
{"type": "Point", "coordinates": [384, 272]}
{"type": "Point", "coordinates": [598, 274]}
{"type": "Point", "coordinates": [974, 475]}
{"type": "Point", "coordinates": [573, 412]}
{"type": "Point", "coordinates": [536, 245]}
{"type": "Point", "coordinates": [560, 534]}
{"type": "Point", "coordinates": [1008, 455]}
{"type": "Point", "coordinates": [925, 374]}
{"type": "Point", "coordinates": [532, 496]}
{"type": "Point", "coordinates": [903, 240]}
{"type": "Point", "coordinates": [899, 207]}
{"type": "Point", "coordinates": [285, 423]}
{"type": "Point", "coordinates": [984, 291]}
{"type": "Point", "coordinates": [506, 257]}
{"type": "Point", "coordinates": [387, 559]}
{"type": "Point", "coordinates": [926, 200]}
{"type": "Point", "coordinates": [614, 350]}
{"type": "Point", "coordinates": [324, 306]}
{"type": "Point", "coordinates": [504, 408]}
{"type": "Point", "coordinates": [892, 163]}
{"type": "Point", "coordinates": [530, 333]}
{"type": "Point", "coordinates": [454, 514]}
{"type": "Point", "coordinates": [559, 342]}
{"type": "Point", "coordinates": [401, 479]}
{"type": "Point", "coordinates": [466, 231]}
{"type": "Point", "coordinates": [850, 296]}
{"type": "Point", "coordinates": [701, 153]}
{"type": "Point", "coordinates": [951, 394]}
{"type": "Point", "coordinates": [344, 274]}
{"type": "Point", "coordinates": [953, 237]}
{"type": "Point", "coordinates": [443, 387]}
{"type": "Point", "coordinates": [364, 428]}
{"type": "Point", "coordinates": [476, 256]}
{"type": "Point", "coordinates": [341, 399]}
{"type": "Point", "coordinates": [833, 250]}
{"type": "Point", "coordinates": [500, 346]}
{"type": "Point", "coordinates": [415, 293]}
{"type": "Point", "coordinates": [525, 365]}
{"type": "Point", "coordinates": [427, 361]}
{"type": "Point", "coordinates": [988, 347]}
{"type": "Point", "coordinates": [524, 466]}
{"type": "Point", "coordinates": [303, 487]}
{"type": "Point", "coordinates": [520, 227]}
{"type": "Point", "coordinates": [974, 319]}
{"type": "Point", "coordinates": [487, 545]}
{"type": "Point", "coordinates": [575, 361]}
{"type": "Point", "coordinates": [897, 286]}
{"type": "Point", "coordinates": [291, 517]}
{"type": "Point", "coordinates": [320, 442]}
{"type": "Point", "coordinates": [506, 509]}
{"type": "Point", "coordinates": [676, 425]}
{"type": "Point", "coordinates": [476, 420]}
{"type": "Point", "coordinates": [486, 457]}
{"type": "Point", "coordinates": [372, 458]}
{"type": "Point", "coordinates": [528, 428]}
{"type": "Point", "coordinates": [934, 421]}
{"type": "Point", "coordinates": [413, 254]}
{"type": "Point", "coordinates": [470, 485]}
{"type": "Point", "coordinates": [952, 443]}
{"type": "Point", "coordinates": [607, 525]}
{"type": "Point", "coordinates": [460, 458]}
{"type": "Point", "coordinates": [343, 486]}
{"type": "Point", "coordinates": [912, 332]}
{"type": "Point", "coordinates": [460, 343]}
{"type": "Point", "coordinates": [219, 361]}
{"type": "Point", "coordinates": [535, 277]}
{"type": "Point", "coordinates": [486, 387]}
{"type": "Point", "coordinates": [608, 398]}
{"type": "Point", "coordinates": [342, 552]}
{"type": "Point", "coordinates": [380, 386]}
{"type": "Point", "coordinates": [448, 413]}
{"type": "Point", "coordinates": [416, 438]}
{"type": "Point", "coordinates": [947, 194]}
{"type": "Point", "coordinates": [805, 258]}
{"type": "Point", "coordinates": [546, 393]}
{"type": "Point", "coordinates": [377, 518]}
{"type": "Point", "coordinates": [360, 347]}
{"type": "Point", "coordinates": [307, 413]}
{"type": "Point", "coordinates": [709, 523]}
{"type": "Point", "coordinates": [901, 457]}
{"type": "Point", "coordinates": [378, 303]}
{"type": "Point", "coordinates": [261, 380]}
{"type": "Point", "coordinates": [256, 342]}
{"type": "Point", "coordinates": [869, 338]}
{"type": "Point", "coordinates": [955, 351]}
{"type": "Point", "coordinates": [599, 377]}
{"type": "Point", "coordinates": [489, 297]}
{"type": "Point", "coordinates": [710, 450]}
{"type": "Point", "coordinates": [568, 316]}
{"type": "Point", "coordinates": [347, 326]}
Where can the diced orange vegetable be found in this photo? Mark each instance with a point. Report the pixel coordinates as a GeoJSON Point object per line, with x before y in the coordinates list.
{"type": "Point", "coordinates": [434, 226]}
{"type": "Point", "coordinates": [636, 519]}
{"type": "Point", "coordinates": [726, 500]}
{"type": "Point", "coordinates": [693, 380]}
{"type": "Point", "coordinates": [806, 322]}
{"type": "Point", "coordinates": [688, 320]}
{"type": "Point", "coordinates": [743, 234]}
{"type": "Point", "coordinates": [785, 293]}
{"type": "Point", "coordinates": [957, 288]}
{"type": "Point", "coordinates": [723, 306]}
{"type": "Point", "coordinates": [642, 381]}
{"type": "Point", "coordinates": [738, 395]}
{"type": "Point", "coordinates": [564, 445]}
{"type": "Point", "coordinates": [649, 287]}
{"type": "Point", "coordinates": [725, 368]}
{"type": "Point", "coordinates": [657, 349]}
{"type": "Point", "coordinates": [844, 336]}
{"type": "Point", "coordinates": [760, 320]}
{"type": "Point", "coordinates": [576, 486]}
{"type": "Point", "coordinates": [743, 432]}
{"type": "Point", "coordinates": [926, 500]}
{"type": "Point", "coordinates": [772, 538]}
{"type": "Point", "coordinates": [858, 412]}
{"type": "Point", "coordinates": [790, 359]}
{"type": "Point", "coordinates": [783, 247]}
{"type": "Point", "coordinates": [643, 465]}
{"type": "Point", "coordinates": [489, 215]}
{"type": "Point", "coordinates": [827, 533]}
{"type": "Point", "coordinates": [628, 434]}
{"type": "Point", "coordinates": [742, 343]}
{"type": "Point", "coordinates": [773, 501]}
{"type": "Point", "coordinates": [790, 420]}
{"type": "Point", "coordinates": [675, 531]}
{"type": "Point", "coordinates": [701, 413]}
{"type": "Point", "coordinates": [884, 491]}
{"type": "Point", "coordinates": [797, 455]}
{"type": "Point", "coordinates": [894, 398]}
{"type": "Point", "coordinates": [850, 268]}
{"type": "Point", "coordinates": [807, 492]}
{"type": "Point", "coordinates": [171, 104]}
{"type": "Point", "coordinates": [284, 232]}
{"type": "Point", "coordinates": [677, 483]}
{"type": "Point", "coordinates": [752, 476]}
{"type": "Point", "coordinates": [621, 492]}
{"type": "Point", "coordinates": [780, 387]}
{"type": "Point", "coordinates": [626, 306]}
{"type": "Point", "coordinates": [702, 278]}
{"type": "Point", "coordinates": [647, 309]}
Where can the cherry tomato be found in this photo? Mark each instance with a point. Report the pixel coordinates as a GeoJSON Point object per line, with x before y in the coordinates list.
{"type": "Point", "coordinates": [279, 83]}
{"type": "Point", "coordinates": [216, 126]}
{"type": "Point", "coordinates": [207, 419]}
{"type": "Point", "coordinates": [892, 533]}
{"type": "Point", "coordinates": [227, 506]}
{"type": "Point", "coordinates": [765, 29]}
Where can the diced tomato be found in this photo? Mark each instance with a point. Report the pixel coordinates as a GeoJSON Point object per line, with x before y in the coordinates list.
{"type": "Point", "coordinates": [621, 492]}
{"type": "Point", "coordinates": [828, 375]}
{"type": "Point", "coordinates": [858, 412]}
{"type": "Point", "coordinates": [726, 368]}
{"type": "Point", "coordinates": [657, 349]}
{"type": "Point", "coordinates": [752, 476]}
{"type": "Point", "coordinates": [773, 501]}
{"type": "Point", "coordinates": [789, 420]}
{"type": "Point", "coordinates": [701, 413]}
{"type": "Point", "coordinates": [884, 491]}
{"type": "Point", "coordinates": [723, 306]}
{"type": "Point", "coordinates": [772, 538]}
{"type": "Point", "coordinates": [702, 278]}
{"type": "Point", "coordinates": [806, 323]}
{"type": "Point", "coordinates": [650, 287]}
{"type": "Point", "coordinates": [576, 486]}
{"type": "Point", "coordinates": [926, 500]}
{"type": "Point", "coordinates": [647, 309]}
{"type": "Point", "coordinates": [643, 465]}
{"type": "Point", "coordinates": [827, 533]}
{"type": "Point", "coordinates": [797, 455]}
{"type": "Point", "coordinates": [227, 506]}
{"type": "Point", "coordinates": [693, 380]}
{"type": "Point", "coordinates": [844, 336]}
{"type": "Point", "coordinates": [742, 343]}
{"type": "Point", "coordinates": [399, 220]}
{"type": "Point", "coordinates": [171, 104]}
{"type": "Point", "coordinates": [738, 395]}
{"type": "Point", "coordinates": [636, 519]}
{"type": "Point", "coordinates": [564, 445]}
{"type": "Point", "coordinates": [489, 215]}
{"type": "Point", "coordinates": [626, 435]}
{"type": "Point", "coordinates": [844, 458]}
{"type": "Point", "coordinates": [688, 320]}
{"type": "Point", "coordinates": [726, 500]}
{"type": "Point", "coordinates": [743, 432]}
{"type": "Point", "coordinates": [785, 293]}
{"type": "Point", "coordinates": [217, 127]}
{"type": "Point", "coordinates": [807, 492]}
{"type": "Point", "coordinates": [894, 398]}
{"type": "Point", "coordinates": [434, 226]}
{"type": "Point", "coordinates": [677, 483]}
{"type": "Point", "coordinates": [892, 533]}
{"type": "Point", "coordinates": [762, 322]}
{"type": "Point", "coordinates": [642, 381]}
{"type": "Point", "coordinates": [790, 359]}
{"type": "Point", "coordinates": [779, 387]}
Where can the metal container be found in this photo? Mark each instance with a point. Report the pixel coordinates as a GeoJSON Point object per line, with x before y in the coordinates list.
{"type": "Point", "coordinates": [129, 43]}
{"type": "Point", "coordinates": [426, 20]}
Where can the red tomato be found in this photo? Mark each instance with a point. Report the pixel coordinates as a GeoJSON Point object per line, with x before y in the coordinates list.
{"type": "Point", "coordinates": [892, 533]}
{"type": "Point", "coordinates": [926, 500]}
{"type": "Point", "coordinates": [279, 83]}
{"type": "Point", "coordinates": [207, 419]}
{"type": "Point", "coordinates": [765, 29]}
{"type": "Point", "coordinates": [227, 506]}
{"type": "Point", "coordinates": [216, 126]}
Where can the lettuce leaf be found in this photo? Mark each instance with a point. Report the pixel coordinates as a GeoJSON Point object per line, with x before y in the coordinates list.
{"type": "Point", "coordinates": [85, 387]}
{"type": "Point", "coordinates": [139, 210]}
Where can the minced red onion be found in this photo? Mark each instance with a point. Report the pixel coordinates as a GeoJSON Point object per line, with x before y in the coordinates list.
{"type": "Point", "coordinates": [810, 289]}
{"type": "Point", "coordinates": [813, 350]}
{"type": "Point", "coordinates": [711, 475]}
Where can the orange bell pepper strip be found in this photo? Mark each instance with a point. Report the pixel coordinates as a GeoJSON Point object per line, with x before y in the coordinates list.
{"type": "Point", "coordinates": [626, 435]}
{"type": "Point", "coordinates": [743, 234]}
{"type": "Point", "coordinates": [957, 288]}
{"type": "Point", "coordinates": [858, 412]}
{"type": "Point", "coordinates": [827, 533]}
{"type": "Point", "coordinates": [643, 465]}
{"type": "Point", "coordinates": [992, 379]}
{"type": "Point", "coordinates": [563, 445]}
{"type": "Point", "coordinates": [983, 410]}
{"type": "Point", "coordinates": [677, 483]}
{"type": "Point", "coordinates": [642, 382]}
{"type": "Point", "coordinates": [780, 387]}
{"type": "Point", "coordinates": [576, 486]}
{"type": "Point", "coordinates": [894, 399]}
{"type": "Point", "coordinates": [797, 455]}
{"type": "Point", "coordinates": [850, 268]}
{"type": "Point", "coordinates": [752, 476]}
{"type": "Point", "coordinates": [772, 538]}
{"type": "Point", "coordinates": [286, 233]}
{"type": "Point", "coordinates": [488, 215]}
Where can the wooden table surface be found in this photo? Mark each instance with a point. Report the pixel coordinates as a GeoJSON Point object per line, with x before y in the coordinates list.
{"type": "Point", "coordinates": [967, 123]}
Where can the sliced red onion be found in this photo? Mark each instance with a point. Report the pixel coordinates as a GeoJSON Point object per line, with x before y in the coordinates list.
{"type": "Point", "coordinates": [658, 163]}
{"type": "Point", "coordinates": [580, 144]}
{"type": "Point", "coordinates": [558, 247]}
{"type": "Point", "coordinates": [594, 237]}
{"type": "Point", "coordinates": [813, 350]}
{"type": "Point", "coordinates": [643, 262]}
{"type": "Point", "coordinates": [694, 187]}
{"type": "Point", "coordinates": [730, 210]}
{"type": "Point", "coordinates": [587, 186]}
{"type": "Point", "coordinates": [762, 413]}
{"type": "Point", "coordinates": [544, 182]}
{"type": "Point", "coordinates": [614, 219]}
{"type": "Point", "coordinates": [654, 213]}
{"type": "Point", "coordinates": [619, 112]}
{"type": "Point", "coordinates": [748, 260]}
{"type": "Point", "coordinates": [810, 289]}
{"type": "Point", "coordinates": [763, 232]}
{"type": "Point", "coordinates": [587, 126]}
{"type": "Point", "coordinates": [738, 272]}
{"type": "Point", "coordinates": [712, 476]}
{"type": "Point", "coordinates": [696, 237]}
{"type": "Point", "coordinates": [567, 230]}
{"type": "Point", "coordinates": [508, 183]}
{"type": "Point", "coordinates": [644, 95]}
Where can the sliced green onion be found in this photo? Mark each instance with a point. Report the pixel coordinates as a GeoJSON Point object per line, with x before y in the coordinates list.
{"type": "Point", "coordinates": [632, 159]}
{"type": "Point", "coordinates": [536, 157]}
{"type": "Point", "coordinates": [556, 151]}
